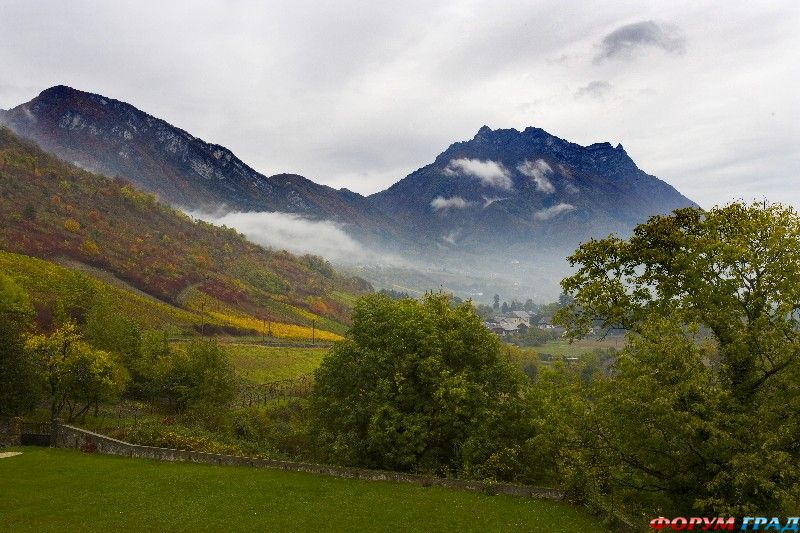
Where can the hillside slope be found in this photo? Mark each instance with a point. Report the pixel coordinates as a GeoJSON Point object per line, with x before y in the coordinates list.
{"type": "Point", "coordinates": [117, 139]}
{"type": "Point", "coordinates": [52, 209]}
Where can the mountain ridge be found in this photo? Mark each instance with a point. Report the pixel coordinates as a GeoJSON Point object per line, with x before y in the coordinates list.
{"type": "Point", "coordinates": [115, 138]}
{"type": "Point", "coordinates": [504, 197]}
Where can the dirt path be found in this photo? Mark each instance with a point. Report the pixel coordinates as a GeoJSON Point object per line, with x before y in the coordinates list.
{"type": "Point", "coordinates": [3, 455]}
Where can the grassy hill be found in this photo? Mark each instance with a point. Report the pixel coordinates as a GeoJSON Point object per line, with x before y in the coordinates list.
{"type": "Point", "coordinates": [64, 490]}
{"type": "Point", "coordinates": [202, 273]}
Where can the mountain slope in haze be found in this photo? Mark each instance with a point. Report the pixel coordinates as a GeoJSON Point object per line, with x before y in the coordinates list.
{"type": "Point", "coordinates": [511, 205]}
{"type": "Point", "coordinates": [115, 138]}
{"type": "Point", "coordinates": [508, 189]}
{"type": "Point", "coordinates": [56, 211]}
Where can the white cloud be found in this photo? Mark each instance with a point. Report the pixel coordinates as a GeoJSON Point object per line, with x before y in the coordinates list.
{"type": "Point", "coordinates": [554, 211]}
{"type": "Point", "coordinates": [627, 40]}
{"type": "Point", "coordinates": [451, 237]}
{"type": "Point", "coordinates": [594, 89]}
{"type": "Point", "coordinates": [456, 202]}
{"type": "Point", "coordinates": [491, 173]}
{"type": "Point", "coordinates": [489, 201]}
{"type": "Point", "coordinates": [287, 231]}
{"type": "Point", "coordinates": [538, 171]}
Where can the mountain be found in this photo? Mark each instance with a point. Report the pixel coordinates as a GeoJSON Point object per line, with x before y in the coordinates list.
{"type": "Point", "coordinates": [513, 204]}
{"type": "Point", "coordinates": [198, 273]}
{"type": "Point", "coordinates": [115, 138]}
{"type": "Point", "coordinates": [517, 189]}
{"type": "Point", "coordinates": [497, 212]}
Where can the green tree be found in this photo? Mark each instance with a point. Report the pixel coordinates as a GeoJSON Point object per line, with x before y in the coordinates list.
{"type": "Point", "coordinates": [74, 372]}
{"type": "Point", "coordinates": [534, 336]}
{"type": "Point", "coordinates": [112, 331]}
{"type": "Point", "coordinates": [702, 422]}
{"type": "Point", "coordinates": [484, 311]}
{"type": "Point", "coordinates": [198, 378]}
{"type": "Point", "coordinates": [91, 377]}
{"type": "Point", "coordinates": [418, 386]}
{"type": "Point", "coordinates": [19, 379]}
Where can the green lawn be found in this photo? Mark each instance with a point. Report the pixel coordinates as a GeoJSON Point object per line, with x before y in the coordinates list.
{"type": "Point", "coordinates": [64, 490]}
{"type": "Point", "coordinates": [264, 364]}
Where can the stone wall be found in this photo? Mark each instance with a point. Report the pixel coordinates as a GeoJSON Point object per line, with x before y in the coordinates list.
{"type": "Point", "coordinates": [65, 436]}
{"type": "Point", "coordinates": [10, 431]}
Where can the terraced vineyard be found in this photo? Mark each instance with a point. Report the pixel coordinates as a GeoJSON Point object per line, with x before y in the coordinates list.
{"type": "Point", "coordinates": [77, 286]}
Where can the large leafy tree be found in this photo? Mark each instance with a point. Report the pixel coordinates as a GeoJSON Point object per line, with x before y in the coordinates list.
{"type": "Point", "coordinates": [76, 375]}
{"type": "Point", "coordinates": [19, 379]}
{"type": "Point", "coordinates": [703, 411]}
{"type": "Point", "coordinates": [418, 386]}
{"type": "Point", "coordinates": [199, 377]}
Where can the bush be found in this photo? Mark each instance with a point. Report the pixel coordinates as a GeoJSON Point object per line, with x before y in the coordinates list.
{"type": "Point", "coordinates": [201, 378]}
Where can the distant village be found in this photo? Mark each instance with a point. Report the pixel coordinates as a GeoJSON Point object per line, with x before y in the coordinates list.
{"type": "Point", "coordinates": [518, 322]}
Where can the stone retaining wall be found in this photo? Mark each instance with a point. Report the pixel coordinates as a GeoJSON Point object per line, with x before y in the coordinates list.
{"type": "Point", "coordinates": [65, 436]}
{"type": "Point", "coordinates": [10, 431]}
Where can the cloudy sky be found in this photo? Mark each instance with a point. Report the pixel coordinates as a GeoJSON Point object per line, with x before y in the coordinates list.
{"type": "Point", "coordinates": [358, 94]}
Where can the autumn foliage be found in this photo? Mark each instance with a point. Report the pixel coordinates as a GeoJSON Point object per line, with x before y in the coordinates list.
{"type": "Point", "coordinates": [53, 210]}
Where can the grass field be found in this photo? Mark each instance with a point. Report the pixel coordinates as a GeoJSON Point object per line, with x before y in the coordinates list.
{"type": "Point", "coordinates": [63, 490]}
{"type": "Point", "coordinates": [264, 364]}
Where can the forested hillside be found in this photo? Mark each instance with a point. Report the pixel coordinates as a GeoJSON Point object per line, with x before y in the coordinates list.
{"type": "Point", "coordinates": [56, 211]}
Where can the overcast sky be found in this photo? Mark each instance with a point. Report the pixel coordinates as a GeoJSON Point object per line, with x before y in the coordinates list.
{"type": "Point", "coordinates": [359, 94]}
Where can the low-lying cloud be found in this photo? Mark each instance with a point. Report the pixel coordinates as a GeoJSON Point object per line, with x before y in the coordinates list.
{"type": "Point", "coordinates": [554, 211]}
{"type": "Point", "coordinates": [451, 237]}
{"type": "Point", "coordinates": [489, 201]}
{"type": "Point", "coordinates": [456, 202]}
{"type": "Point", "coordinates": [491, 173]}
{"type": "Point", "coordinates": [595, 89]}
{"type": "Point", "coordinates": [287, 231]}
{"type": "Point", "coordinates": [538, 171]}
{"type": "Point", "coordinates": [628, 40]}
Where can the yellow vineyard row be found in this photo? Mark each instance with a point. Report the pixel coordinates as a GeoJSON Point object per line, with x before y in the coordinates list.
{"type": "Point", "coordinates": [278, 329]}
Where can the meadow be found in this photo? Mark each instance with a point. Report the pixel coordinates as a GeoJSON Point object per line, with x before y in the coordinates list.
{"type": "Point", "coordinates": [64, 490]}
{"type": "Point", "coordinates": [266, 364]}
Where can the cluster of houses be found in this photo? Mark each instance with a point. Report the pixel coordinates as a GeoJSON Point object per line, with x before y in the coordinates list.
{"type": "Point", "coordinates": [518, 322]}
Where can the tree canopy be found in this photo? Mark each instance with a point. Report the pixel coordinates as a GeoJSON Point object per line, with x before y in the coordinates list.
{"type": "Point", "coordinates": [702, 411]}
{"type": "Point", "coordinates": [19, 387]}
{"type": "Point", "coordinates": [76, 374]}
{"type": "Point", "coordinates": [417, 386]}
